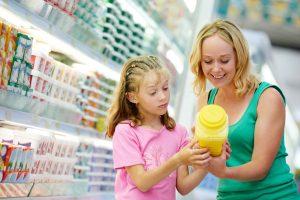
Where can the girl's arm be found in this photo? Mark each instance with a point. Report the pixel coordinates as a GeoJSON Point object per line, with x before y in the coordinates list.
{"type": "Point", "coordinates": [187, 181]}
{"type": "Point", "coordinates": [269, 130]}
{"type": "Point", "coordinates": [144, 180]}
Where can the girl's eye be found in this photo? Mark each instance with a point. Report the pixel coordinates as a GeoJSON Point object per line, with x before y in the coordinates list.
{"type": "Point", "coordinates": [152, 93]}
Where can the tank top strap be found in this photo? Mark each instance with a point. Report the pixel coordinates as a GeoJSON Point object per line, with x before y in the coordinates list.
{"type": "Point", "coordinates": [212, 95]}
{"type": "Point", "coordinates": [258, 92]}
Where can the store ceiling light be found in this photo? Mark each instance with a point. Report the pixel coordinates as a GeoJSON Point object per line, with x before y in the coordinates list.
{"type": "Point", "coordinates": [191, 5]}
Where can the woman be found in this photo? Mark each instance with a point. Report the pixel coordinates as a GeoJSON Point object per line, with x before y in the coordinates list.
{"type": "Point", "coordinates": [257, 167]}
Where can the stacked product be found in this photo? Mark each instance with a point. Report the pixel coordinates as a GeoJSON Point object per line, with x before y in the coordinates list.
{"type": "Point", "coordinates": [88, 13]}
{"type": "Point", "coordinates": [124, 36]}
{"type": "Point", "coordinates": [16, 158]}
{"type": "Point", "coordinates": [53, 80]}
{"type": "Point", "coordinates": [276, 12]}
{"type": "Point", "coordinates": [82, 168]}
{"type": "Point", "coordinates": [54, 157]}
{"type": "Point", "coordinates": [32, 155]}
{"type": "Point", "coordinates": [93, 21]}
{"type": "Point", "coordinates": [96, 93]}
{"type": "Point", "coordinates": [102, 174]}
{"type": "Point", "coordinates": [67, 6]}
{"type": "Point", "coordinates": [34, 74]}
{"type": "Point", "coordinates": [15, 52]}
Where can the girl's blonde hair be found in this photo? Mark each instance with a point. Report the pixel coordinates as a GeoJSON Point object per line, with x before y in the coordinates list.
{"type": "Point", "coordinates": [244, 81]}
{"type": "Point", "coordinates": [131, 76]}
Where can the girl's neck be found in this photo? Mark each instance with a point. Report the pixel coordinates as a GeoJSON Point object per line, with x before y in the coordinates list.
{"type": "Point", "coordinates": [152, 122]}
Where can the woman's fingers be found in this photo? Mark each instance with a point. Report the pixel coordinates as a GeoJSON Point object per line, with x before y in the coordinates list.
{"type": "Point", "coordinates": [202, 163]}
{"type": "Point", "coordinates": [200, 157]}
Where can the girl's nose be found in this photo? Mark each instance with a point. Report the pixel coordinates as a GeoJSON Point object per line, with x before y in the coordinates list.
{"type": "Point", "coordinates": [162, 95]}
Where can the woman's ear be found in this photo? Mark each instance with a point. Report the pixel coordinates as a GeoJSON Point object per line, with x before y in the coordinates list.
{"type": "Point", "coordinates": [131, 96]}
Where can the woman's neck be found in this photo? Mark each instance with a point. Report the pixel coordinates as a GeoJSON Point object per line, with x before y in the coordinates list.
{"type": "Point", "coordinates": [228, 92]}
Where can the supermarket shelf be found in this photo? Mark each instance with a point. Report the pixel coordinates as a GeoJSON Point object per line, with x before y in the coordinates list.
{"type": "Point", "coordinates": [104, 165]}
{"type": "Point", "coordinates": [58, 39]}
{"type": "Point", "coordinates": [165, 35]}
{"type": "Point", "coordinates": [52, 109]}
{"type": "Point", "coordinates": [91, 196]}
{"type": "Point", "coordinates": [101, 174]}
{"type": "Point", "coordinates": [97, 155]}
{"type": "Point", "coordinates": [32, 120]}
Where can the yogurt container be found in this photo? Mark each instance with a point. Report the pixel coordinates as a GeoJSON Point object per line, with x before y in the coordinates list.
{"type": "Point", "coordinates": [211, 128]}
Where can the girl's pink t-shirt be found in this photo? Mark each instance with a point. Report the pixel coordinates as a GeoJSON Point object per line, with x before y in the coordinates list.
{"type": "Point", "coordinates": [150, 148]}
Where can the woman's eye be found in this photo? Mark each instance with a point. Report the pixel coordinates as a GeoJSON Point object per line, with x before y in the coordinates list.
{"type": "Point", "coordinates": [207, 61]}
{"type": "Point", "coordinates": [166, 88]}
{"type": "Point", "coordinates": [224, 61]}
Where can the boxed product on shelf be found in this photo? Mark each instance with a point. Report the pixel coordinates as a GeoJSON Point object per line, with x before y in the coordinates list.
{"type": "Point", "coordinates": [16, 160]}
{"type": "Point", "coordinates": [102, 174]}
{"type": "Point", "coordinates": [67, 6]}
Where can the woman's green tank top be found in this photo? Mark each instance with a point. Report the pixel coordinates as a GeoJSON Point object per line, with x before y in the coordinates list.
{"type": "Point", "coordinates": [279, 183]}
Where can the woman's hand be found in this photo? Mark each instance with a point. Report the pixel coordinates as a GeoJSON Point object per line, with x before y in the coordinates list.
{"type": "Point", "coordinates": [228, 150]}
{"type": "Point", "coordinates": [191, 154]}
{"type": "Point", "coordinates": [217, 165]}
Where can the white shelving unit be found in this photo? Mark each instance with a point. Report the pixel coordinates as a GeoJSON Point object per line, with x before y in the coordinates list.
{"type": "Point", "coordinates": [25, 119]}
{"type": "Point", "coordinates": [13, 12]}
{"type": "Point", "coordinates": [164, 34]}
{"type": "Point", "coordinates": [95, 196]}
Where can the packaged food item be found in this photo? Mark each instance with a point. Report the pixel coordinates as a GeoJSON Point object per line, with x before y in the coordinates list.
{"type": "Point", "coordinates": [15, 72]}
{"type": "Point", "coordinates": [211, 128]}
{"type": "Point", "coordinates": [27, 76]}
{"type": "Point", "coordinates": [36, 60]}
{"type": "Point", "coordinates": [21, 75]}
{"type": "Point", "coordinates": [21, 45]}
{"type": "Point", "coordinates": [48, 70]}
{"type": "Point", "coordinates": [11, 43]}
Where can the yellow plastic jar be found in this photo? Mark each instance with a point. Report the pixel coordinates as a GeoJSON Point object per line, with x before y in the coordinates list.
{"type": "Point", "coordinates": [211, 128]}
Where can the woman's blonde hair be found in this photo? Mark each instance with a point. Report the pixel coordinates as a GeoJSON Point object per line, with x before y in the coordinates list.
{"type": "Point", "coordinates": [244, 81]}
{"type": "Point", "coordinates": [131, 76]}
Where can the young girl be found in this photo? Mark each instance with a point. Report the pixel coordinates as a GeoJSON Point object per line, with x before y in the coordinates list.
{"type": "Point", "coordinates": [148, 147]}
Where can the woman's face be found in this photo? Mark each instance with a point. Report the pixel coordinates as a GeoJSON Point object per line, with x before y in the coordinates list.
{"type": "Point", "coordinates": [218, 61]}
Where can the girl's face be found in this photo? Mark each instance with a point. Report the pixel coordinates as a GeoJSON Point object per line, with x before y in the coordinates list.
{"type": "Point", "coordinates": [218, 61]}
{"type": "Point", "coordinates": [153, 96]}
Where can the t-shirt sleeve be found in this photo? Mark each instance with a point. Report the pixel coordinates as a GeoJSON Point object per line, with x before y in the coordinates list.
{"type": "Point", "coordinates": [126, 148]}
{"type": "Point", "coordinates": [185, 138]}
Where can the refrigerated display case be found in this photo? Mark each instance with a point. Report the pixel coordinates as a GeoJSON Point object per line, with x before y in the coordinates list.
{"type": "Point", "coordinates": [60, 63]}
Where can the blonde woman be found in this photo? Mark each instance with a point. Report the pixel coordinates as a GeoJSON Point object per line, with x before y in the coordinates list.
{"type": "Point", "coordinates": [257, 167]}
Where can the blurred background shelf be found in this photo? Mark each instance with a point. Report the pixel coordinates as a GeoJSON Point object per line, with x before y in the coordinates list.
{"type": "Point", "coordinates": [59, 39]}
{"type": "Point", "coordinates": [10, 116]}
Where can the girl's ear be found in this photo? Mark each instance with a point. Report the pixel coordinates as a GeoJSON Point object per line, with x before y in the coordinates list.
{"type": "Point", "coordinates": [131, 96]}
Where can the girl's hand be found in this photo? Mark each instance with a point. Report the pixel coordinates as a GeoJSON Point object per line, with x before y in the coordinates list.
{"type": "Point", "coordinates": [228, 150]}
{"type": "Point", "coordinates": [217, 165]}
{"type": "Point", "coordinates": [191, 155]}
